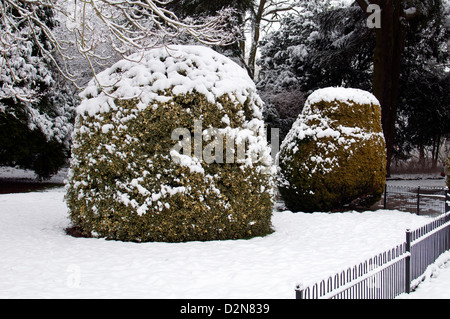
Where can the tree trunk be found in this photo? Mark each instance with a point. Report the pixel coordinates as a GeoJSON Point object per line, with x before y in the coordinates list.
{"type": "Point", "coordinates": [421, 156]}
{"type": "Point", "coordinates": [256, 29]}
{"type": "Point", "coordinates": [436, 149]}
{"type": "Point", "coordinates": [390, 42]}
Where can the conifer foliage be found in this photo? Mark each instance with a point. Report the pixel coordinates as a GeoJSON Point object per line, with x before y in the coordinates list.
{"type": "Point", "coordinates": [129, 179]}
{"type": "Point", "coordinates": [36, 107]}
{"type": "Point", "coordinates": [334, 155]}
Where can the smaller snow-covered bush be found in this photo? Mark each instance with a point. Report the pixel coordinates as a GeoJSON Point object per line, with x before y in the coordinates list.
{"type": "Point", "coordinates": [130, 181]}
{"type": "Point", "coordinates": [335, 152]}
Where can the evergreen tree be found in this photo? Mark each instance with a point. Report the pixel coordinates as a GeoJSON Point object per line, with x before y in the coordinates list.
{"type": "Point", "coordinates": [391, 34]}
{"type": "Point", "coordinates": [312, 47]}
{"type": "Point", "coordinates": [424, 115]}
{"type": "Point", "coordinates": [36, 108]}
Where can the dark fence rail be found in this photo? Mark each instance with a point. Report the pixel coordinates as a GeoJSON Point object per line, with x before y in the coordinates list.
{"type": "Point", "coordinates": [389, 274]}
{"type": "Point", "coordinates": [417, 200]}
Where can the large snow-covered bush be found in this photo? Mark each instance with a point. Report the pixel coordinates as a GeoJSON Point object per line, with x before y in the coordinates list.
{"type": "Point", "coordinates": [335, 152]}
{"type": "Point", "coordinates": [131, 177]}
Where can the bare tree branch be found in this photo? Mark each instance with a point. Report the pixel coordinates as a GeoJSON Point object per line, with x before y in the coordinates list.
{"type": "Point", "coordinates": [127, 25]}
{"type": "Point", "coordinates": [265, 14]}
{"type": "Point", "coordinates": [364, 4]}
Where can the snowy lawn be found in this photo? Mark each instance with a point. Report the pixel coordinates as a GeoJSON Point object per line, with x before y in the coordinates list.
{"type": "Point", "coordinates": [38, 260]}
{"type": "Point", "coordinates": [436, 284]}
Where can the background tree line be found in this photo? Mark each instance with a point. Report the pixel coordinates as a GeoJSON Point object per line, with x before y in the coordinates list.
{"type": "Point", "coordinates": [324, 46]}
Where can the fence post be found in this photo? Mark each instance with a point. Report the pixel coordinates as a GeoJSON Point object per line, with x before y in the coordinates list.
{"type": "Point", "coordinates": [447, 200]}
{"type": "Point", "coordinates": [385, 197]}
{"type": "Point", "coordinates": [408, 262]}
{"type": "Point", "coordinates": [299, 292]}
{"type": "Point", "coordinates": [418, 200]}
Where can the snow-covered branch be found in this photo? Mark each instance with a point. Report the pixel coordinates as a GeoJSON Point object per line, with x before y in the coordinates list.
{"type": "Point", "coordinates": [264, 15]}
{"type": "Point", "coordinates": [364, 4]}
{"type": "Point", "coordinates": [125, 26]}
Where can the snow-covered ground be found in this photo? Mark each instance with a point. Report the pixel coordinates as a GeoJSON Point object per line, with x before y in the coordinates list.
{"type": "Point", "coordinates": [38, 260]}
{"type": "Point", "coordinates": [22, 175]}
{"type": "Point", "coordinates": [436, 284]}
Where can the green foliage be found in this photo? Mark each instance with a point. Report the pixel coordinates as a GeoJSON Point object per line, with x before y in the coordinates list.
{"type": "Point", "coordinates": [334, 156]}
{"type": "Point", "coordinates": [36, 108]}
{"type": "Point", "coordinates": [319, 47]}
{"type": "Point", "coordinates": [424, 115]}
{"type": "Point", "coordinates": [206, 7]}
{"type": "Point", "coordinates": [200, 9]}
{"type": "Point", "coordinates": [124, 184]}
{"type": "Point", "coordinates": [281, 109]}
{"type": "Point", "coordinates": [28, 148]}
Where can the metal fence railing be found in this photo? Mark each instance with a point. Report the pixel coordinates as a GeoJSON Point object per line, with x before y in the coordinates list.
{"type": "Point", "coordinates": [381, 276]}
{"type": "Point", "coordinates": [427, 243]}
{"type": "Point", "coordinates": [390, 273]}
{"type": "Point", "coordinates": [417, 200]}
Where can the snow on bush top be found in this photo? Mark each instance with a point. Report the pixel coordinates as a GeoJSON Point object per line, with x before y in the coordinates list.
{"type": "Point", "coordinates": [341, 94]}
{"type": "Point", "coordinates": [317, 124]}
{"type": "Point", "coordinates": [338, 94]}
{"type": "Point", "coordinates": [180, 68]}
